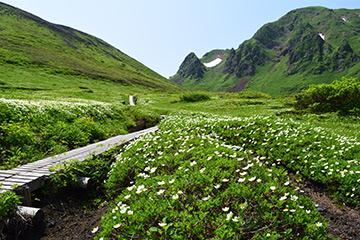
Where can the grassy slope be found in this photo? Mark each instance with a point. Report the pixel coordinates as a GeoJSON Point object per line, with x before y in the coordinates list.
{"type": "Point", "coordinates": [36, 54]}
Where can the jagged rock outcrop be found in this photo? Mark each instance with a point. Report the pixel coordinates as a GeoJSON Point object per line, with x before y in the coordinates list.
{"type": "Point", "coordinates": [191, 67]}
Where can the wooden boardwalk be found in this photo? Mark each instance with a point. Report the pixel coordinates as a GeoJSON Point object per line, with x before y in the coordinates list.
{"type": "Point", "coordinates": [32, 176]}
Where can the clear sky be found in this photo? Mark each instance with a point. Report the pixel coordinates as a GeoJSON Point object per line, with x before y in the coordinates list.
{"type": "Point", "coordinates": [160, 33]}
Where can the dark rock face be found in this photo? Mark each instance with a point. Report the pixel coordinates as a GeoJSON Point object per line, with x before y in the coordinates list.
{"type": "Point", "coordinates": [243, 61]}
{"type": "Point", "coordinates": [191, 67]}
{"type": "Point", "coordinates": [344, 55]}
{"type": "Point", "coordinates": [240, 85]}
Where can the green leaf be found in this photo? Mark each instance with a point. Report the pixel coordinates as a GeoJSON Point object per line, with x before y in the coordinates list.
{"type": "Point", "coordinates": [154, 229]}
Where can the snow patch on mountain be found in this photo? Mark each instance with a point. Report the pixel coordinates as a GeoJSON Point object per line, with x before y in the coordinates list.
{"type": "Point", "coordinates": [213, 63]}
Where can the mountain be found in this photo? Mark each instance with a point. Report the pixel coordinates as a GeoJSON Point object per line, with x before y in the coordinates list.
{"type": "Point", "coordinates": [306, 46]}
{"type": "Point", "coordinates": [37, 55]}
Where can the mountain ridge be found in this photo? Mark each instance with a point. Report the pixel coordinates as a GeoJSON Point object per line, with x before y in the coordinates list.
{"type": "Point", "coordinates": [305, 46]}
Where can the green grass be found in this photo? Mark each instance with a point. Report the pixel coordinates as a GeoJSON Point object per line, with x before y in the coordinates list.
{"type": "Point", "coordinates": [34, 50]}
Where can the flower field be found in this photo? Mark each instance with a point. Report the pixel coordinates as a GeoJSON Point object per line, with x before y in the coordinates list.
{"type": "Point", "coordinates": [210, 177]}
{"type": "Point", "coordinates": [31, 130]}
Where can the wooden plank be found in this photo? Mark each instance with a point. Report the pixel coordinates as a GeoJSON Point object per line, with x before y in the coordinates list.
{"type": "Point", "coordinates": [32, 174]}
{"type": "Point", "coordinates": [6, 187]}
{"type": "Point", "coordinates": [6, 173]}
{"type": "Point", "coordinates": [12, 172]}
{"type": "Point", "coordinates": [22, 177]}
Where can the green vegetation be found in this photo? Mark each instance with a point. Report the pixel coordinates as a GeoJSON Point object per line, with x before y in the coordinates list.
{"type": "Point", "coordinates": [340, 96]}
{"type": "Point", "coordinates": [285, 56]}
{"type": "Point", "coordinates": [194, 97]}
{"type": "Point", "coordinates": [210, 176]}
{"type": "Point", "coordinates": [253, 95]}
{"type": "Point", "coordinates": [222, 165]}
{"type": "Point", "coordinates": [32, 130]}
{"type": "Point", "coordinates": [8, 202]}
{"type": "Point", "coordinates": [56, 58]}
{"type": "Point", "coordinates": [205, 175]}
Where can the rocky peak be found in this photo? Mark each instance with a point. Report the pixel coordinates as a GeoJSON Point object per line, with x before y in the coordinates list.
{"type": "Point", "coordinates": [191, 67]}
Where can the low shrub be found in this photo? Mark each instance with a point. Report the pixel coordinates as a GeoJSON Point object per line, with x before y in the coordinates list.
{"type": "Point", "coordinates": [253, 95]}
{"type": "Point", "coordinates": [194, 97]}
{"type": "Point", "coordinates": [339, 96]}
{"type": "Point", "coordinates": [8, 203]}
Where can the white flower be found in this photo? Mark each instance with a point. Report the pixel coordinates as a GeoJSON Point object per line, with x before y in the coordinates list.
{"type": "Point", "coordinates": [172, 181]}
{"type": "Point", "coordinates": [217, 186]}
{"type": "Point", "coordinates": [243, 173]}
{"type": "Point", "coordinates": [241, 180]}
{"type": "Point", "coordinates": [127, 196]}
{"type": "Point", "coordinates": [272, 188]}
{"type": "Point", "coordinates": [123, 211]}
{"type": "Point", "coordinates": [287, 183]}
{"type": "Point", "coordinates": [243, 205]}
{"type": "Point", "coordinates": [202, 170]}
{"type": "Point", "coordinates": [252, 179]}
{"type": "Point", "coordinates": [229, 216]}
{"type": "Point", "coordinates": [161, 183]}
{"type": "Point", "coordinates": [160, 192]}
{"type": "Point", "coordinates": [192, 163]}
{"type": "Point", "coordinates": [318, 224]}
{"type": "Point", "coordinates": [294, 198]}
{"type": "Point", "coordinates": [283, 198]}
{"type": "Point", "coordinates": [153, 170]}
{"type": "Point", "coordinates": [235, 219]}
{"type": "Point", "coordinates": [225, 180]}
{"type": "Point", "coordinates": [206, 198]}
{"type": "Point", "coordinates": [209, 158]}
{"type": "Point", "coordinates": [95, 230]}
{"type": "Point", "coordinates": [131, 187]}
{"type": "Point", "coordinates": [117, 225]}
{"type": "Point", "coordinates": [308, 211]}
{"type": "Point", "coordinates": [162, 224]}
{"type": "Point", "coordinates": [176, 196]}
{"type": "Point", "coordinates": [225, 209]}
{"type": "Point", "coordinates": [130, 212]}
{"type": "Point", "coordinates": [140, 189]}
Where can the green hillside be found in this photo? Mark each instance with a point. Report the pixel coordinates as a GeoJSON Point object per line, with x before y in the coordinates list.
{"type": "Point", "coordinates": [53, 59]}
{"type": "Point", "coordinates": [306, 46]}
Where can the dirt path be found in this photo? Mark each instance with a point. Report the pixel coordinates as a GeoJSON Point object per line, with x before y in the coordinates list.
{"type": "Point", "coordinates": [344, 221]}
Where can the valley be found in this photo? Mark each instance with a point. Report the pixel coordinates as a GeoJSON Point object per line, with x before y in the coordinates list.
{"type": "Point", "coordinates": [257, 142]}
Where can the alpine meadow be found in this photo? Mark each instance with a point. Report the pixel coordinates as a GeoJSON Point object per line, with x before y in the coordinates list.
{"type": "Point", "coordinates": [257, 142]}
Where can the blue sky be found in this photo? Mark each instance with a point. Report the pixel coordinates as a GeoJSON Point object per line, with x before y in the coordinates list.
{"type": "Point", "coordinates": [160, 33]}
